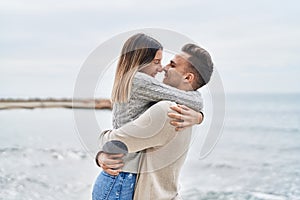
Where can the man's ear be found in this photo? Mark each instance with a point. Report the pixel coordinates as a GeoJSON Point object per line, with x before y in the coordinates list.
{"type": "Point", "coordinates": [189, 77]}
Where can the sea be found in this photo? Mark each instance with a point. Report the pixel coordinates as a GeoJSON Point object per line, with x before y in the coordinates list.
{"type": "Point", "coordinates": [257, 156]}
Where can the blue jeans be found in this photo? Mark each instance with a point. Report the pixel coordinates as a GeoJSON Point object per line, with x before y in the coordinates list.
{"type": "Point", "coordinates": [108, 187]}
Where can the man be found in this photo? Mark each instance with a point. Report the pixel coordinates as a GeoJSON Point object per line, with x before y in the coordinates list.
{"type": "Point", "coordinates": [164, 150]}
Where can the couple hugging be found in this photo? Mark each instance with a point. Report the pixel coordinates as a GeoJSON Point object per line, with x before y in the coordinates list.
{"type": "Point", "coordinates": [142, 156]}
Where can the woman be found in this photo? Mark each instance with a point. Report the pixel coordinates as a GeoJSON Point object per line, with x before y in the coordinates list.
{"type": "Point", "coordinates": [134, 91]}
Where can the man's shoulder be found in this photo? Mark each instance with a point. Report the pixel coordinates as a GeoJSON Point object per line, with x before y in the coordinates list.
{"type": "Point", "coordinates": [165, 104]}
{"type": "Point", "coordinates": [163, 107]}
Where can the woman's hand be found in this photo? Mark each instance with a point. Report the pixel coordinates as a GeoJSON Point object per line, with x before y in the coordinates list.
{"type": "Point", "coordinates": [184, 117]}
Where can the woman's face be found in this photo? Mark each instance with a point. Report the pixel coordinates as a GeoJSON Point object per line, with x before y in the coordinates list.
{"type": "Point", "coordinates": [155, 66]}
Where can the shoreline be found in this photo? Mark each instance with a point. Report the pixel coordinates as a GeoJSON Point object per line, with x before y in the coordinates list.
{"type": "Point", "coordinates": [55, 103]}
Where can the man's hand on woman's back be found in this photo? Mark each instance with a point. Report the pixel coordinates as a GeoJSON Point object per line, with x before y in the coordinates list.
{"type": "Point", "coordinates": [110, 163]}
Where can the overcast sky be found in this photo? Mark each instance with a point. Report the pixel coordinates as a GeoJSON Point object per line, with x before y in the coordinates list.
{"type": "Point", "coordinates": [255, 44]}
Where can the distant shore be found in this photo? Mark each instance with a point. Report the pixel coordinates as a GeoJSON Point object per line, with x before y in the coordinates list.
{"type": "Point", "coordinates": [55, 103]}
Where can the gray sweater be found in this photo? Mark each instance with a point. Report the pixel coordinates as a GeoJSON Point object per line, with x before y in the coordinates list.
{"type": "Point", "coordinates": [145, 92]}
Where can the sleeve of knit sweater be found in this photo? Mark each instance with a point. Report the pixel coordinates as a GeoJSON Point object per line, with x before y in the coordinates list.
{"type": "Point", "coordinates": [148, 88]}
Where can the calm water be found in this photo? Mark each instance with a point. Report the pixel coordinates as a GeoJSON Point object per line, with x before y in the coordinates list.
{"type": "Point", "coordinates": [257, 157]}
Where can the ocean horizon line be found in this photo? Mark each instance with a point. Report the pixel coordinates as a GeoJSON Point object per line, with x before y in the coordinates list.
{"type": "Point", "coordinates": [14, 97]}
